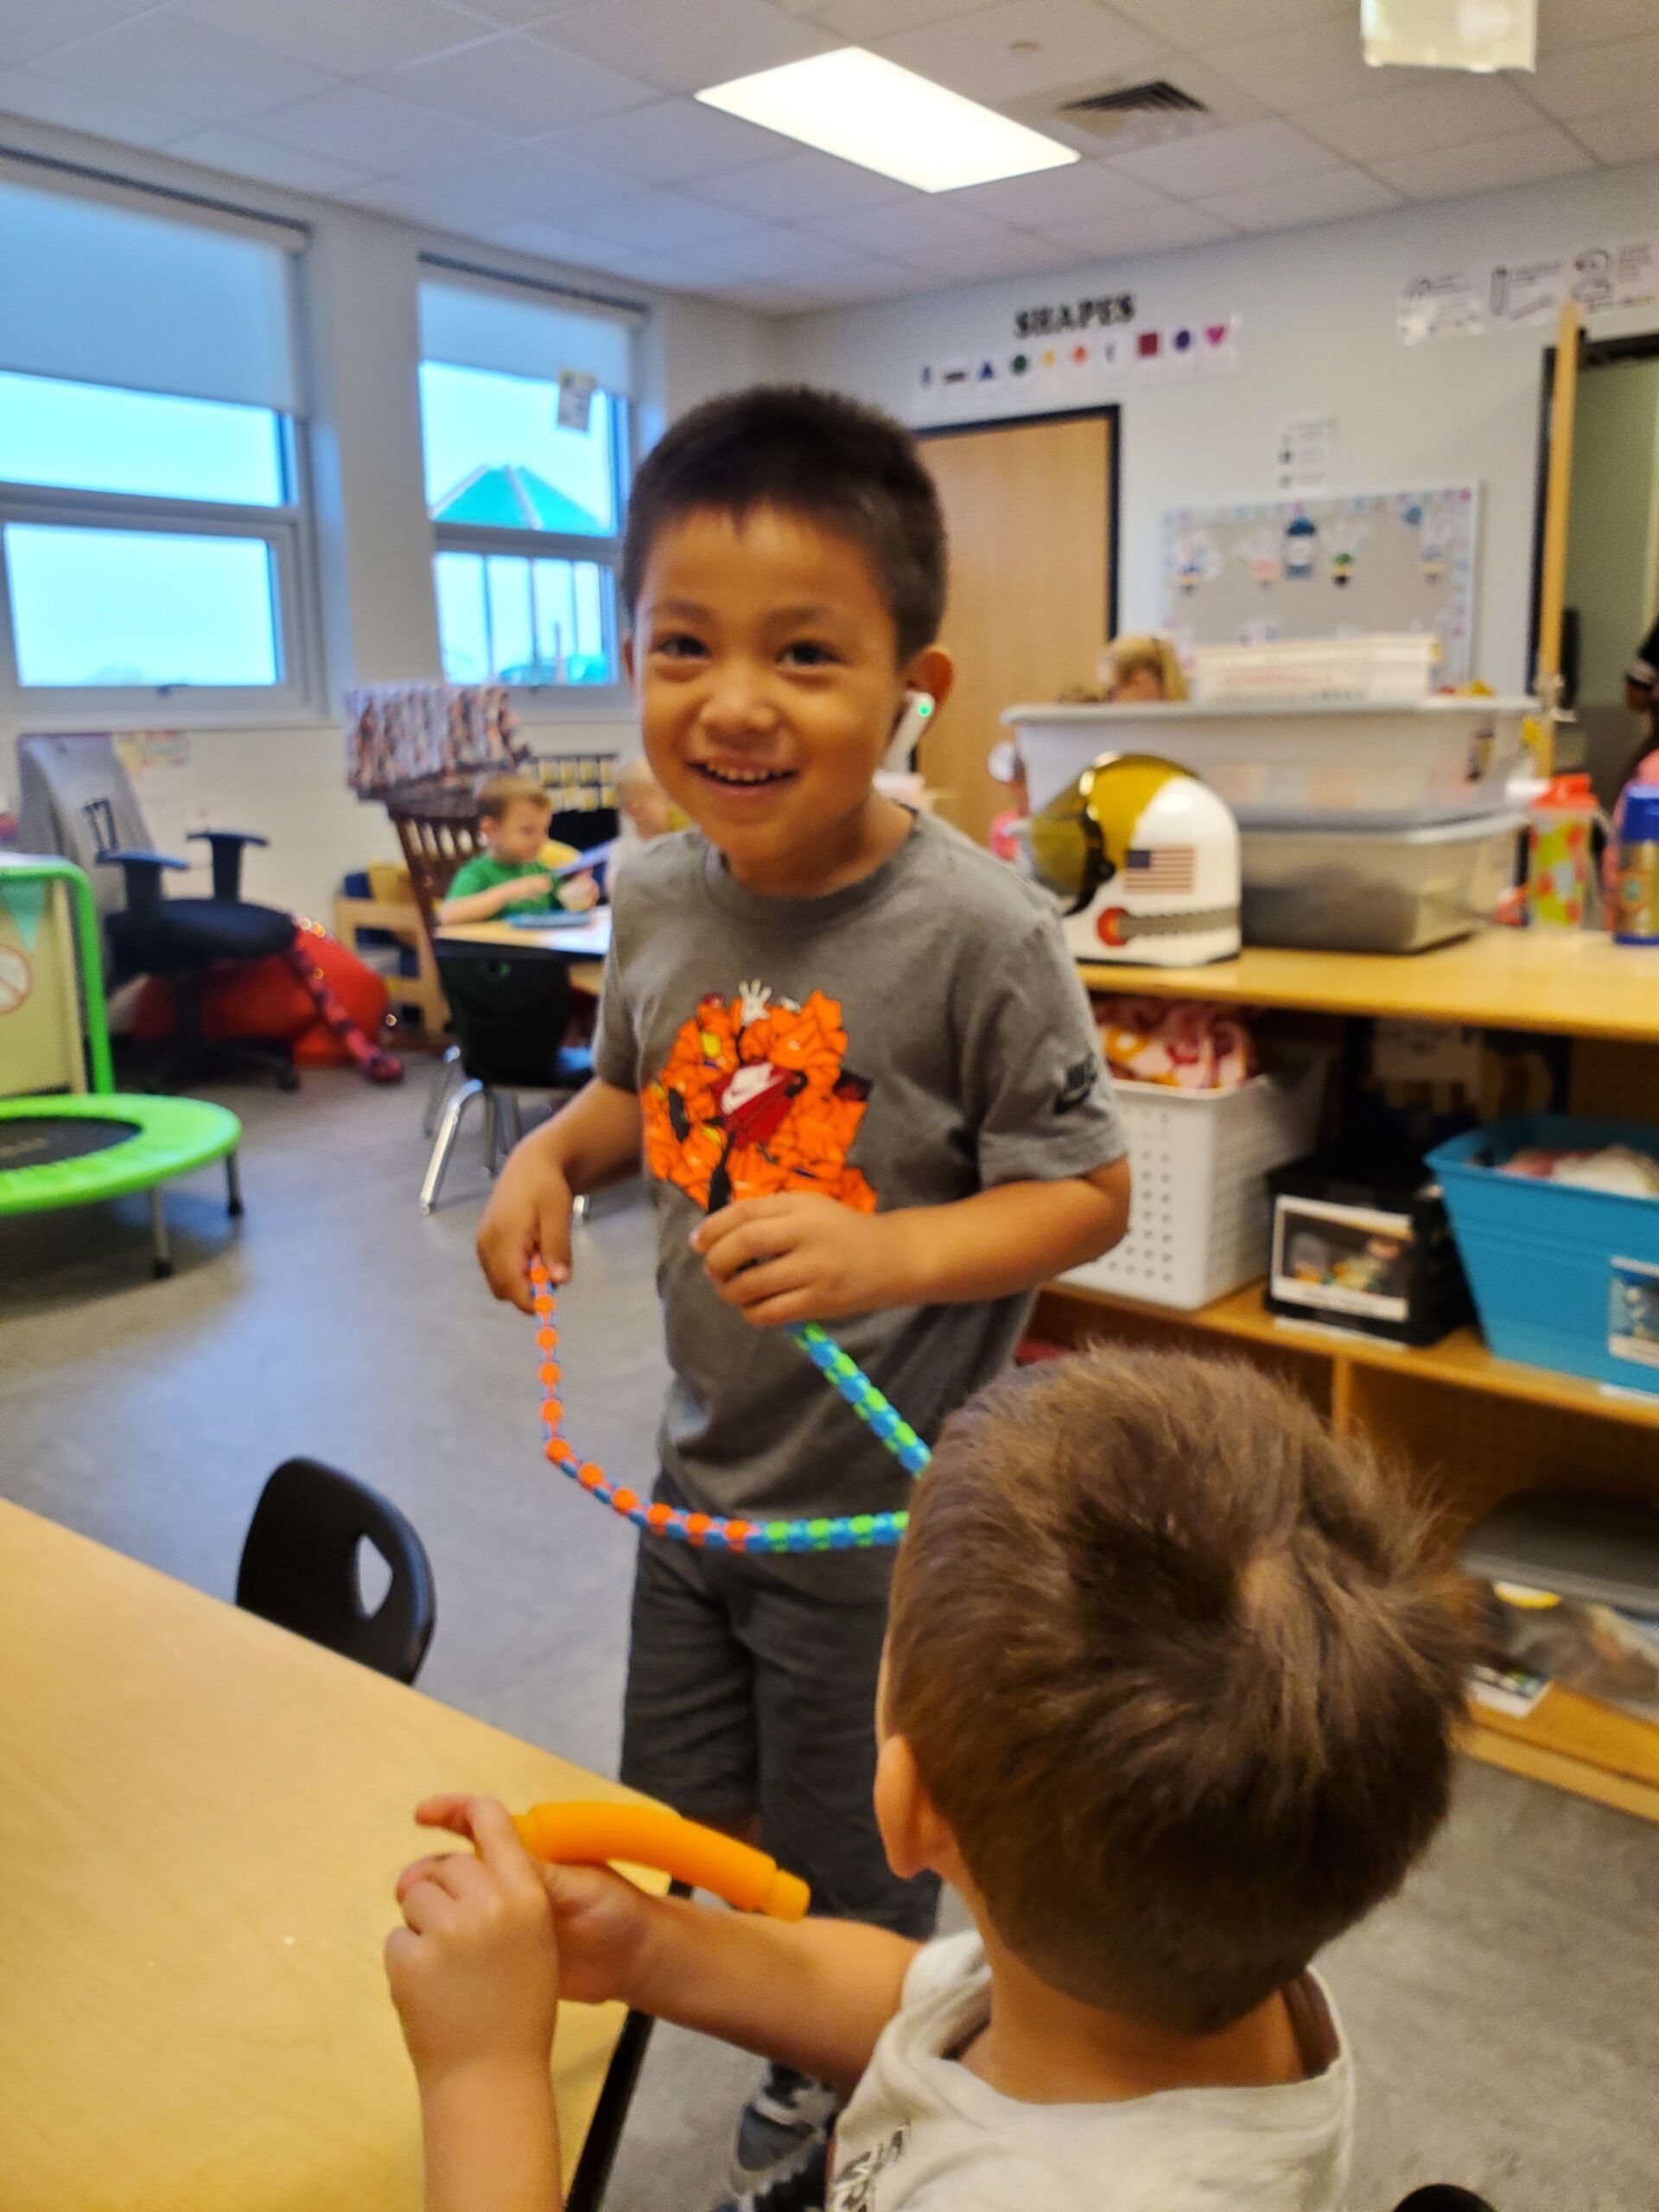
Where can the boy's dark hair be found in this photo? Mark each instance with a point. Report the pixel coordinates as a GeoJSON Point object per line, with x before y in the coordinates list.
{"type": "Point", "coordinates": [847, 467]}
{"type": "Point", "coordinates": [499, 793]}
{"type": "Point", "coordinates": [1175, 1667]}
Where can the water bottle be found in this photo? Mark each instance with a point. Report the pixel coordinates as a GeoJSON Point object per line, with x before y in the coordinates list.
{"type": "Point", "coordinates": [1560, 878]}
{"type": "Point", "coordinates": [1635, 901]}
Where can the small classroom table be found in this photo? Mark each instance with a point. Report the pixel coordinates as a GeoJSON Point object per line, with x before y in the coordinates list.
{"type": "Point", "coordinates": [202, 1821]}
{"type": "Point", "coordinates": [583, 945]}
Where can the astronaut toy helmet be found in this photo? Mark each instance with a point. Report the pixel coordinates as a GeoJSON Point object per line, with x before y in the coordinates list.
{"type": "Point", "coordinates": [1143, 861]}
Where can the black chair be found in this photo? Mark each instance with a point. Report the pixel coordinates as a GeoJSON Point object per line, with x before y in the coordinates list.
{"type": "Point", "coordinates": [1443, 2197]}
{"type": "Point", "coordinates": [77, 799]}
{"type": "Point", "coordinates": [299, 1568]}
{"type": "Point", "coordinates": [510, 1016]}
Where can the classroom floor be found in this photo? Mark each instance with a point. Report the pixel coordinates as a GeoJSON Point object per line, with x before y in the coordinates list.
{"type": "Point", "coordinates": [1501, 2009]}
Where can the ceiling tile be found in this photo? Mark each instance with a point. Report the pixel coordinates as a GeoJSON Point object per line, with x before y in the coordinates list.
{"type": "Point", "coordinates": [1302, 68]}
{"type": "Point", "coordinates": [240, 154]}
{"type": "Point", "coordinates": [659, 222]}
{"type": "Point", "coordinates": [1155, 230]}
{"type": "Point", "coordinates": [913, 229]}
{"type": "Point", "coordinates": [28, 28]}
{"type": "Point", "coordinates": [534, 183]}
{"type": "Point", "coordinates": [76, 107]}
{"type": "Point", "coordinates": [1200, 24]}
{"type": "Point", "coordinates": [512, 15]}
{"type": "Point", "coordinates": [803, 185]}
{"type": "Point", "coordinates": [352, 40]}
{"type": "Point", "coordinates": [1328, 199]}
{"type": "Point", "coordinates": [681, 47]}
{"type": "Point", "coordinates": [757, 299]}
{"type": "Point", "coordinates": [1447, 112]}
{"type": "Point", "coordinates": [772, 253]}
{"type": "Point", "coordinates": [1068, 195]}
{"type": "Point", "coordinates": [1021, 46]}
{"type": "Point", "coordinates": [872, 278]}
{"type": "Point", "coordinates": [1563, 23]}
{"type": "Point", "coordinates": [1222, 161]}
{"type": "Point", "coordinates": [1595, 79]}
{"type": "Point", "coordinates": [516, 83]}
{"type": "Point", "coordinates": [866, 21]}
{"type": "Point", "coordinates": [188, 67]}
{"type": "Point", "coordinates": [670, 141]}
{"type": "Point", "coordinates": [370, 130]}
{"type": "Point", "coordinates": [1630, 134]}
{"type": "Point", "coordinates": [1523, 157]}
{"type": "Point", "coordinates": [552, 241]}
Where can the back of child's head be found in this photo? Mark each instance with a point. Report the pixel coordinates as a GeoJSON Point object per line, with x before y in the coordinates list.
{"type": "Point", "coordinates": [813, 455]}
{"type": "Point", "coordinates": [498, 794]}
{"type": "Point", "coordinates": [1177, 1669]}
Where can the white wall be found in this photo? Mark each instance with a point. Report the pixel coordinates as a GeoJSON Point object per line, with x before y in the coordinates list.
{"type": "Point", "coordinates": [359, 279]}
{"type": "Point", "coordinates": [1319, 337]}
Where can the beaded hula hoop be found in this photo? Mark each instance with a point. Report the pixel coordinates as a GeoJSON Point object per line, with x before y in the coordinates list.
{"type": "Point", "coordinates": [837, 1533]}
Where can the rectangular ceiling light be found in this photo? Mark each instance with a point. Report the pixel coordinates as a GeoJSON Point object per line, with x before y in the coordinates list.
{"type": "Point", "coordinates": [1478, 35]}
{"type": "Point", "coordinates": [862, 109]}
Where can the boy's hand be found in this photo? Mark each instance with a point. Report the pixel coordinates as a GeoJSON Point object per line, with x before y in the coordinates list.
{"type": "Point", "coordinates": [474, 1972]}
{"type": "Point", "coordinates": [523, 887]}
{"type": "Point", "coordinates": [803, 1257]}
{"type": "Point", "coordinates": [529, 1212]}
{"type": "Point", "coordinates": [601, 1923]}
{"type": "Point", "coordinates": [578, 894]}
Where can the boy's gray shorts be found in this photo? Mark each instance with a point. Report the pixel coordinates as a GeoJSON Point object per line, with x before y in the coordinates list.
{"type": "Point", "coordinates": [751, 1691]}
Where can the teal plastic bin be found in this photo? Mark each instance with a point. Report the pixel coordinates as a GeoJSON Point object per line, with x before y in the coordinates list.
{"type": "Point", "coordinates": [1562, 1278]}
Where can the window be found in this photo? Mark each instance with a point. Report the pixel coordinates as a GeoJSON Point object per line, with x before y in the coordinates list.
{"type": "Point", "coordinates": [152, 539]}
{"type": "Point", "coordinates": [525, 482]}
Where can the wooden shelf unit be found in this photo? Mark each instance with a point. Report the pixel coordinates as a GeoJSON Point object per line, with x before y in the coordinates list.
{"type": "Point", "coordinates": [1473, 1427]}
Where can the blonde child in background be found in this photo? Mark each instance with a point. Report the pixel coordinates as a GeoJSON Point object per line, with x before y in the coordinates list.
{"type": "Point", "coordinates": [1167, 1697]}
{"type": "Point", "coordinates": [511, 876]}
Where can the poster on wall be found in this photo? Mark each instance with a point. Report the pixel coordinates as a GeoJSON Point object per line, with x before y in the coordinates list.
{"type": "Point", "coordinates": [1053, 371]}
{"type": "Point", "coordinates": [1326, 568]}
{"type": "Point", "coordinates": [1523, 295]}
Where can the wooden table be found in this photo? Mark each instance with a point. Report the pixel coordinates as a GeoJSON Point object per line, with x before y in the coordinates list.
{"type": "Point", "coordinates": [201, 1818]}
{"type": "Point", "coordinates": [584, 944]}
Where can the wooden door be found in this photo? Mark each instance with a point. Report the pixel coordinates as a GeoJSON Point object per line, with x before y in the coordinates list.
{"type": "Point", "coordinates": [1029, 510]}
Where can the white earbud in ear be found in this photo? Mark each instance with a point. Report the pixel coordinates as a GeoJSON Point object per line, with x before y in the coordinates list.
{"type": "Point", "coordinates": [907, 731]}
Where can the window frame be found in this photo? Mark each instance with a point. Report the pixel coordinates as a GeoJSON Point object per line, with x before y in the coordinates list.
{"type": "Point", "coordinates": [297, 697]}
{"type": "Point", "coordinates": [562, 701]}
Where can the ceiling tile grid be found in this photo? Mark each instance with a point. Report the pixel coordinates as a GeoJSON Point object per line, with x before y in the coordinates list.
{"type": "Point", "coordinates": [567, 127]}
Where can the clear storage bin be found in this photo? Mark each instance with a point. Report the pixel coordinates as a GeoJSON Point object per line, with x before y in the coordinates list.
{"type": "Point", "coordinates": [1376, 890]}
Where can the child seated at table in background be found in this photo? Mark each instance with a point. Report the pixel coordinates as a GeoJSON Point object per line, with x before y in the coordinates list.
{"type": "Point", "coordinates": [510, 877]}
{"type": "Point", "coordinates": [1167, 1697]}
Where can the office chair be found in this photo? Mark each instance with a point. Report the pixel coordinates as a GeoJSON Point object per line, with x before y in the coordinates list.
{"type": "Point", "coordinates": [1443, 2197]}
{"type": "Point", "coordinates": [299, 1568]}
{"type": "Point", "coordinates": [509, 1017]}
{"type": "Point", "coordinates": [78, 800]}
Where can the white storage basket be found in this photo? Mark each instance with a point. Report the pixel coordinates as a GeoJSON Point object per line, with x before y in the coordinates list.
{"type": "Point", "coordinates": [1200, 1217]}
{"type": "Point", "coordinates": [1388, 666]}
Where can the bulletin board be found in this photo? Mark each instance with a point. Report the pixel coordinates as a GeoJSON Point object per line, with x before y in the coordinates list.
{"type": "Point", "coordinates": [1326, 568]}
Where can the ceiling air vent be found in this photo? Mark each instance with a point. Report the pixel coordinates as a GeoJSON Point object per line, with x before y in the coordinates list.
{"type": "Point", "coordinates": [1105, 115]}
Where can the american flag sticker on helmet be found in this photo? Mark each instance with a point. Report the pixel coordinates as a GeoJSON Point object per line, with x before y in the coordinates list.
{"type": "Point", "coordinates": [1168, 868]}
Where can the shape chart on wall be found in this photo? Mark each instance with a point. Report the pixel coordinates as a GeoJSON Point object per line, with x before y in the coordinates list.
{"type": "Point", "coordinates": [1326, 568]}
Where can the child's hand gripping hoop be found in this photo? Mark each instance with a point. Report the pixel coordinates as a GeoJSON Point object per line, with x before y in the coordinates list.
{"type": "Point", "coordinates": [645, 1835]}
{"type": "Point", "coordinates": [837, 1533]}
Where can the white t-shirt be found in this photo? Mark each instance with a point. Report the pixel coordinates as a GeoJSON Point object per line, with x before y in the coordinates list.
{"type": "Point", "coordinates": [923, 2134]}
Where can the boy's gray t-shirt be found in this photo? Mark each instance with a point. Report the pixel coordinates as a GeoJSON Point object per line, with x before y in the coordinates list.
{"type": "Point", "coordinates": [906, 1041]}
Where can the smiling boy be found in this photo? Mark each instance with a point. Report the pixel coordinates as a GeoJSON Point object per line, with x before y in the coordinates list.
{"type": "Point", "coordinates": [868, 1090]}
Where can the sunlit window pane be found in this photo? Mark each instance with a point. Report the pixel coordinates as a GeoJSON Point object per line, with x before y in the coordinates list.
{"type": "Point", "coordinates": [92, 438]}
{"type": "Point", "coordinates": [516, 620]}
{"type": "Point", "coordinates": [141, 608]}
{"type": "Point", "coordinates": [497, 458]}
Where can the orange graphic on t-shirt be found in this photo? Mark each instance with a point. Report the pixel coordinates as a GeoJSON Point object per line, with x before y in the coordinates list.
{"type": "Point", "coordinates": [752, 1100]}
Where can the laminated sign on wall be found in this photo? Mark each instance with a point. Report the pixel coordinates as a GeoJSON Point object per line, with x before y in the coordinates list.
{"type": "Point", "coordinates": [1053, 370]}
{"type": "Point", "coordinates": [1521, 295]}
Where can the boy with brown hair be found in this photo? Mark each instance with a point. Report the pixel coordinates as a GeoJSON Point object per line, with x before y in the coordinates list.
{"type": "Point", "coordinates": [510, 876]}
{"type": "Point", "coordinates": [1168, 1696]}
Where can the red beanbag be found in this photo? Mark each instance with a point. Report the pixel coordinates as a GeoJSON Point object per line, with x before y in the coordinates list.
{"type": "Point", "coordinates": [265, 998]}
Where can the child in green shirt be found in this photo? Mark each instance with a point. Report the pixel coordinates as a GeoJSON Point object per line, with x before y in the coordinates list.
{"type": "Point", "coordinates": [512, 876]}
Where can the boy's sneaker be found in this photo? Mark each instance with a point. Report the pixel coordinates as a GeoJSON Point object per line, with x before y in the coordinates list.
{"type": "Point", "coordinates": [788, 2115]}
{"type": "Point", "coordinates": [798, 2183]}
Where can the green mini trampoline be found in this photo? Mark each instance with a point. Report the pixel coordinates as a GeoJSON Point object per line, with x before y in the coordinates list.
{"type": "Point", "coordinates": [73, 1148]}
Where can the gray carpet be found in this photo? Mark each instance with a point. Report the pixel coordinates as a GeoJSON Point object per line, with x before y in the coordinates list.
{"type": "Point", "coordinates": [1503, 2009]}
